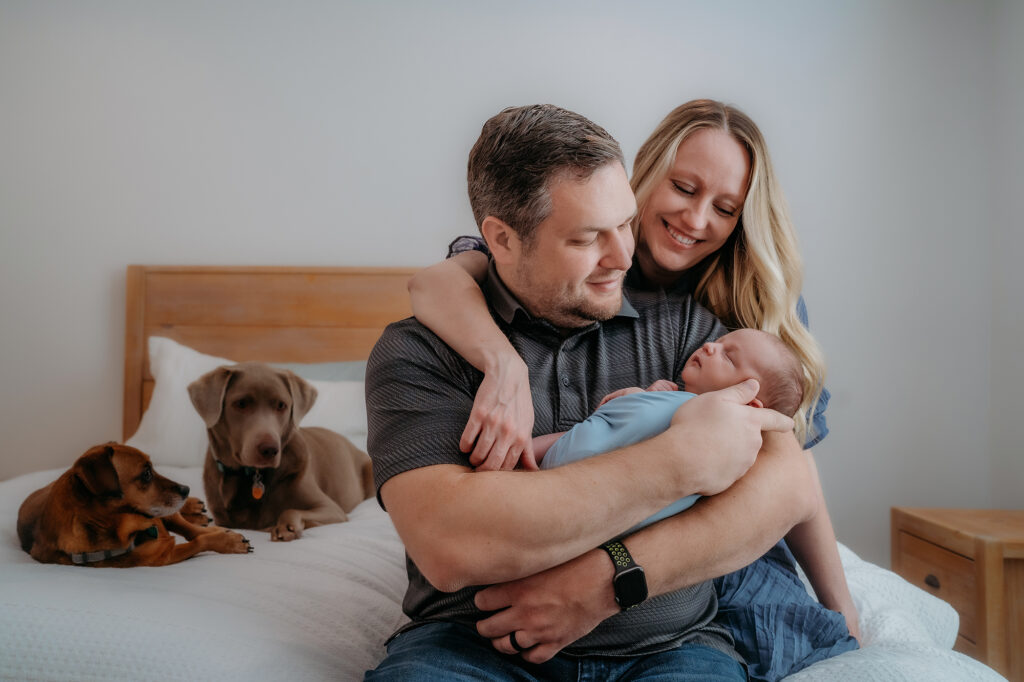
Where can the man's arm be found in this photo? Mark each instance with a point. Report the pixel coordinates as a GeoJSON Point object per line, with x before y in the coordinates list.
{"type": "Point", "coordinates": [474, 528]}
{"type": "Point", "coordinates": [718, 535]}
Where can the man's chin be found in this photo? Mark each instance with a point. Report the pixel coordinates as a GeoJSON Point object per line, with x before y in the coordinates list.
{"type": "Point", "coordinates": [584, 315]}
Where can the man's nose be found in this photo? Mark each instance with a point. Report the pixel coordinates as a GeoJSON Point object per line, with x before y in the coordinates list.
{"type": "Point", "coordinates": [620, 250]}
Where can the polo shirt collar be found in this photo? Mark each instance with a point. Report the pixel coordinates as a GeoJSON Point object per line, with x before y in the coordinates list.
{"type": "Point", "coordinates": [504, 303]}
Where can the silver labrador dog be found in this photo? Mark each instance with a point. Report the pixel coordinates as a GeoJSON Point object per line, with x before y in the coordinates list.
{"type": "Point", "coordinates": [262, 470]}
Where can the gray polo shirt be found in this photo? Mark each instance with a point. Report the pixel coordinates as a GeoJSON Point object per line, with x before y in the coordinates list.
{"type": "Point", "coordinates": [419, 394]}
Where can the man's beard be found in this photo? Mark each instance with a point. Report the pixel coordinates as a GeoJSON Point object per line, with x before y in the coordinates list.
{"type": "Point", "coordinates": [571, 309]}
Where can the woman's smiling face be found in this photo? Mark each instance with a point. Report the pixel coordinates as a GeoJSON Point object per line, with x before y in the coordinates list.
{"type": "Point", "coordinates": [695, 208]}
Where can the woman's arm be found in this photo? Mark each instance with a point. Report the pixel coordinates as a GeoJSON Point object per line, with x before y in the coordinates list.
{"type": "Point", "coordinates": [813, 543]}
{"type": "Point", "coordinates": [447, 299]}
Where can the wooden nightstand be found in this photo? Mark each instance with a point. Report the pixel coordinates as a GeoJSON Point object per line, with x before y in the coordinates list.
{"type": "Point", "coordinates": [973, 559]}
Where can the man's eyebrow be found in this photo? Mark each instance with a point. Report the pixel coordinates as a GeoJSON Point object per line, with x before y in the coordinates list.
{"type": "Point", "coordinates": [594, 228]}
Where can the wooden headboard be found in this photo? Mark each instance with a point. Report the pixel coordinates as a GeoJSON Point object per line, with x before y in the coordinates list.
{"type": "Point", "coordinates": [266, 314]}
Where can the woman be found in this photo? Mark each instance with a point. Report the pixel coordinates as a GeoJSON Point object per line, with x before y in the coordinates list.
{"type": "Point", "coordinates": [711, 222]}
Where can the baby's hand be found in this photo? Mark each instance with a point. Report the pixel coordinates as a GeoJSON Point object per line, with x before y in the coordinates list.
{"type": "Point", "coordinates": [620, 392]}
{"type": "Point", "coordinates": [663, 385]}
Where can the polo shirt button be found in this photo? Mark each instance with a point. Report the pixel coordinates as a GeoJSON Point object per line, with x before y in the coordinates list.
{"type": "Point", "coordinates": [565, 379]}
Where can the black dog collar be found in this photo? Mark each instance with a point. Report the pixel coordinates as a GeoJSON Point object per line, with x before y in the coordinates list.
{"type": "Point", "coordinates": [254, 474]}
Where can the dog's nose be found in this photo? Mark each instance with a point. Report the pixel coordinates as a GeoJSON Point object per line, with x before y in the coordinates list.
{"type": "Point", "coordinates": [269, 450]}
{"type": "Point", "coordinates": [183, 490]}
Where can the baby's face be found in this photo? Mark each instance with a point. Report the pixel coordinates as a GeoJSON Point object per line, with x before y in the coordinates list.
{"type": "Point", "coordinates": [736, 357]}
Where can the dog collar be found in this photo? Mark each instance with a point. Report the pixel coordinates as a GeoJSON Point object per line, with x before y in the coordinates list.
{"type": "Point", "coordinates": [256, 475]}
{"type": "Point", "coordinates": [82, 558]}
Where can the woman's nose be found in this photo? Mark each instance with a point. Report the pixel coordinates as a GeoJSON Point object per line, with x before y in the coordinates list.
{"type": "Point", "coordinates": [696, 216]}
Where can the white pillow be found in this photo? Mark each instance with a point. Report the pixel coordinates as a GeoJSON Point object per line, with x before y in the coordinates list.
{"type": "Point", "coordinates": [173, 434]}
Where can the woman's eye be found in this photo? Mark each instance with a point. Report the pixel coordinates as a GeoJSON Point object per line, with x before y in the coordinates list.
{"type": "Point", "coordinates": [726, 212]}
{"type": "Point", "coordinates": [685, 190]}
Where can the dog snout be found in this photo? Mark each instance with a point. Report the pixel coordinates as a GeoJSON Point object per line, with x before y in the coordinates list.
{"type": "Point", "coordinates": [183, 490]}
{"type": "Point", "coordinates": [267, 449]}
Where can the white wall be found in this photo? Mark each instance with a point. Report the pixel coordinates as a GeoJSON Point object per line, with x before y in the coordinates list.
{"type": "Point", "coordinates": [336, 133]}
{"type": "Point", "coordinates": [1008, 248]}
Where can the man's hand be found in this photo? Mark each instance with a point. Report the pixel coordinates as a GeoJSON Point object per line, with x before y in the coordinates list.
{"type": "Point", "coordinates": [725, 431]}
{"type": "Point", "coordinates": [500, 428]}
{"type": "Point", "coordinates": [550, 610]}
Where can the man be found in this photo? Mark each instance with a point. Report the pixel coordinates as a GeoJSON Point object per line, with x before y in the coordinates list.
{"type": "Point", "coordinates": [551, 197]}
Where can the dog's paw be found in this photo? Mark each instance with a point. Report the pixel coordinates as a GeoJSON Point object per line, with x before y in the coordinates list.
{"type": "Point", "coordinates": [285, 532]}
{"type": "Point", "coordinates": [226, 541]}
{"type": "Point", "coordinates": [194, 511]}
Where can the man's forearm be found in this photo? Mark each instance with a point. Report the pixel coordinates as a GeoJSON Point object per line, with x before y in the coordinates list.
{"type": "Point", "coordinates": [728, 531]}
{"type": "Point", "coordinates": [470, 528]}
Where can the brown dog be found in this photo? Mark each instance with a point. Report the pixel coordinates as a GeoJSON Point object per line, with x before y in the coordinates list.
{"type": "Point", "coordinates": [264, 472]}
{"type": "Point", "coordinates": [111, 509]}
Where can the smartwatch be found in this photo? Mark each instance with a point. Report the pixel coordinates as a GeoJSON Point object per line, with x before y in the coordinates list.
{"type": "Point", "coordinates": [630, 583]}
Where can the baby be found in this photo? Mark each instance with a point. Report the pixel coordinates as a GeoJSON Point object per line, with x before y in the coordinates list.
{"type": "Point", "coordinates": [631, 415]}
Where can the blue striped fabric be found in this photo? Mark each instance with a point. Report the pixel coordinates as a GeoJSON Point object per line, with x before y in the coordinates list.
{"type": "Point", "coordinates": [776, 625]}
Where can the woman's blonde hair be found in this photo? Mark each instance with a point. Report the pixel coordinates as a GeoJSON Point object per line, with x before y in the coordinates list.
{"type": "Point", "coordinates": [755, 279]}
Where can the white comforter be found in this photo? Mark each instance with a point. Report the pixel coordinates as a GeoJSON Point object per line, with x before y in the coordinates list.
{"type": "Point", "coordinates": [321, 608]}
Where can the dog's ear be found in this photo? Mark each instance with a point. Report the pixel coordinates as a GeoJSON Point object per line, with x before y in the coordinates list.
{"type": "Point", "coordinates": [207, 394]}
{"type": "Point", "coordinates": [303, 394]}
{"type": "Point", "coordinates": [96, 473]}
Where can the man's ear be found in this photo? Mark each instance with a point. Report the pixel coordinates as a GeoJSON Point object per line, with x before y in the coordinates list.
{"type": "Point", "coordinates": [501, 239]}
{"type": "Point", "coordinates": [755, 403]}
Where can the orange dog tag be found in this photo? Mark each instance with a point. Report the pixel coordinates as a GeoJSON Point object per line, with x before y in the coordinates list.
{"type": "Point", "coordinates": [257, 486]}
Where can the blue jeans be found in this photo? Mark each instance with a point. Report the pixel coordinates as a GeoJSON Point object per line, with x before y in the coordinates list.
{"type": "Point", "coordinates": [449, 651]}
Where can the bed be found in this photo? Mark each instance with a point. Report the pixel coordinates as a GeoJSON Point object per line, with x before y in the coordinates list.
{"type": "Point", "coordinates": [322, 607]}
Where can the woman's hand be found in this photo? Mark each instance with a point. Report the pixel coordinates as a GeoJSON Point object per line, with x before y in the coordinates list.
{"type": "Point", "coordinates": [499, 433]}
{"type": "Point", "coordinates": [850, 614]}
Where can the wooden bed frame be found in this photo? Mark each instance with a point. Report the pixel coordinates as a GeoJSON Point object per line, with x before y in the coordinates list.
{"type": "Point", "coordinates": [267, 314]}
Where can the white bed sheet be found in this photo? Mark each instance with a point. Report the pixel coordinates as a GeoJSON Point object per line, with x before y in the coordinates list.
{"type": "Point", "coordinates": [321, 608]}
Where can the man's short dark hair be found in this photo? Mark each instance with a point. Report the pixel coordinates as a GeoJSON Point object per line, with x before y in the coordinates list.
{"type": "Point", "coordinates": [521, 150]}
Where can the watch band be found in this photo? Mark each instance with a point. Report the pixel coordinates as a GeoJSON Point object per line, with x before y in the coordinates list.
{"type": "Point", "coordinates": [619, 554]}
{"type": "Point", "coordinates": [629, 582]}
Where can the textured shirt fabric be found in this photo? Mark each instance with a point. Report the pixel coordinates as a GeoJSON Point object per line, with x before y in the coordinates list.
{"type": "Point", "coordinates": [619, 423]}
{"type": "Point", "coordinates": [419, 395]}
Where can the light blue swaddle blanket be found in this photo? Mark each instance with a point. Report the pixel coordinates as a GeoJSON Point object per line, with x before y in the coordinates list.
{"type": "Point", "coordinates": [620, 422]}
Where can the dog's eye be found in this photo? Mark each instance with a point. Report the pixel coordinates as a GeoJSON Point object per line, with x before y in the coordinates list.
{"type": "Point", "coordinates": [147, 476]}
{"type": "Point", "coordinates": [243, 403]}
{"type": "Point", "coordinates": [281, 406]}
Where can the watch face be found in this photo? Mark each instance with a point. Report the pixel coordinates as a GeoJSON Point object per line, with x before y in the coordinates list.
{"type": "Point", "coordinates": [630, 587]}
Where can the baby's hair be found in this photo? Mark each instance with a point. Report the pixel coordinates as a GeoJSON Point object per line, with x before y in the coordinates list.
{"type": "Point", "coordinates": [782, 388]}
